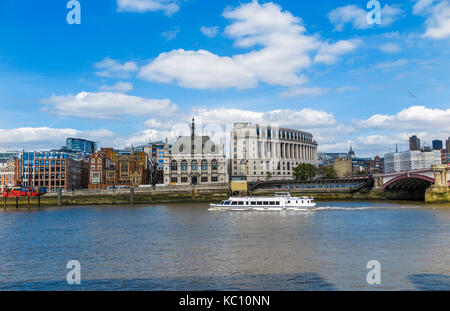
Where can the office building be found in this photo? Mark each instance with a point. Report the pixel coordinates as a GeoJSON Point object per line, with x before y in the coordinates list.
{"type": "Point", "coordinates": [7, 174]}
{"type": "Point", "coordinates": [81, 145]}
{"type": "Point", "coordinates": [395, 162]}
{"type": "Point", "coordinates": [259, 152]}
{"type": "Point", "coordinates": [53, 170]}
{"type": "Point", "coordinates": [414, 143]}
{"type": "Point", "coordinates": [437, 144]}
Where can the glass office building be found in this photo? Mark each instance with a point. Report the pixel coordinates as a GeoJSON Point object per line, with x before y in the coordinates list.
{"type": "Point", "coordinates": [81, 145]}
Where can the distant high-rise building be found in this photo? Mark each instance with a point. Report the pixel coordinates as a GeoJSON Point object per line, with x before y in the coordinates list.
{"type": "Point", "coordinates": [395, 162]}
{"type": "Point", "coordinates": [447, 145]}
{"type": "Point", "coordinates": [437, 144]}
{"type": "Point", "coordinates": [81, 145]}
{"type": "Point", "coordinates": [414, 143]}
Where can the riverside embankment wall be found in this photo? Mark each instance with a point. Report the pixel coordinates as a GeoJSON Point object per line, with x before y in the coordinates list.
{"type": "Point", "coordinates": [179, 194]}
{"type": "Point", "coordinates": [171, 194]}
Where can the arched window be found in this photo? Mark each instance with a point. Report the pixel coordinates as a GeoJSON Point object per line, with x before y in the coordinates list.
{"type": "Point", "coordinates": [184, 165]}
{"type": "Point", "coordinates": [194, 165]}
{"type": "Point", "coordinates": [214, 165]}
{"type": "Point", "coordinates": [173, 166]}
{"type": "Point", "coordinates": [204, 165]}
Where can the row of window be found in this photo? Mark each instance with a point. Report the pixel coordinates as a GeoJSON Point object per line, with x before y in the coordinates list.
{"type": "Point", "coordinates": [255, 203]}
{"type": "Point", "coordinates": [185, 180]}
{"type": "Point", "coordinates": [46, 176]}
{"type": "Point", "coordinates": [194, 165]}
{"type": "Point", "coordinates": [47, 162]}
{"type": "Point", "coordinates": [99, 160]}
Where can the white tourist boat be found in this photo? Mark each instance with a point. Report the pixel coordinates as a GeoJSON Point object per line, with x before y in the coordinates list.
{"type": "Point", "coordinates": [280, 201]}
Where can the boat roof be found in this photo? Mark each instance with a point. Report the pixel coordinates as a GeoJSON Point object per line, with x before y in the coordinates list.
{"type": "Point", "coordinates": [265, 198]}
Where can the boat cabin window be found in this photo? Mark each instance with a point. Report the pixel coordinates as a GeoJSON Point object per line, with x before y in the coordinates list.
{"type": "Point", "coordinates": [234, 203]}
{"type": "Point", "coordinates": [241, 203]}
{"type": "Point", "coordinates": [277, 203]}
{"type": "Point", "coordinates": [226, 202]}
{"type": "Point", "coordinates": [253, 203]}
{"type": "Point", "coordinates": [260, 203]}
{"type": "Point", "coordinates": [266, 203]}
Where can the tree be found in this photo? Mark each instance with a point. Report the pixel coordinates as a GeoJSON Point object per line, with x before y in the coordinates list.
{"type": "Point", "coordinates": [304, 171]}
{"type": "Point", "coordinates": [268, 176]}
{"type": "Point", "coordinates": [329, 173]}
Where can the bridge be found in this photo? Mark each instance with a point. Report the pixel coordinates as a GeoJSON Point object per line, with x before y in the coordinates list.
{"type": "Point", "coordinates": [413, 184]}
{"type": "Point", "coordinates": [429, 185]}
{"type": "Point", "coordinates": [347, 184]}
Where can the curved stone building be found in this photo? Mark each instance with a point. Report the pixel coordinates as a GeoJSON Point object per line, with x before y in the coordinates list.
{"type": "Point", "coordinates": [262, 152]}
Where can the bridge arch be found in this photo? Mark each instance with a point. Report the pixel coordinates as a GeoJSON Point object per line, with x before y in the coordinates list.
{"type": "Point", "coordinates": [412, 181]}
{"type": "Point", "coordinates": [408, 187]}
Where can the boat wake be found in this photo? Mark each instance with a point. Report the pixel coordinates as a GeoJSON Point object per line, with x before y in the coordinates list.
{"type": "Point", "coordinates": [357, 208]}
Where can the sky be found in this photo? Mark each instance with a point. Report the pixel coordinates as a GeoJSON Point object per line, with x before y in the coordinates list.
{"type": "Point", "coordinates": [134, 71]}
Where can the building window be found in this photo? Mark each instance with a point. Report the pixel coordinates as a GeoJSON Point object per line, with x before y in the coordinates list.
{"type": "Point", "coordinates": [95, 178]}
{"type": "Point", "coordinates": [214, 165]}
{"type": "Point", "coordinates": [204, 165]}
{"type": "Point", "coordinates": [174, 166]}
{"type": "Point", "coordinates": [184, 180]}
{"type": "Point", "coordinates": [214, 179]}
{"type": "Point", "coordinates": [194, 165]}
{"type": "Point", "coordinates": [184, 165]}
{"type": "Point", "coordinates": [174, 180]}
{"type": "Point", "coordinates": [92, 160]}
{"type": "Point", "coordinates": [205, 179]}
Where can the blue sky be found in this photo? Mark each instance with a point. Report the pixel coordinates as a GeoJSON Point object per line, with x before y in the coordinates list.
{"type": "Point", "coordinates": [134, 70]}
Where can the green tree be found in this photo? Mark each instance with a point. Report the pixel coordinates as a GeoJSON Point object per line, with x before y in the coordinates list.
{"type": "Point", "coordinates": [268, 176]}
{"type": "Point", "coordinates": [305, 171]}
{"type": "Point", "coordinates": [329, 173]}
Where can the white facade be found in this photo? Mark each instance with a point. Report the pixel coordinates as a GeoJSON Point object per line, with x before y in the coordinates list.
{"type": "Point", "coordinates": [6, 174]}
{"type": "Point", "coordinates": [260, 151]}
{"type": "Point", "coordinates": [195, 160]}
{"type": "Point", "coordinates": [395, 162]}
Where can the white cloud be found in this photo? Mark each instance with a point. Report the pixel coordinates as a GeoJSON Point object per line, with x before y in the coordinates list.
{"type": "Point", "coordinates": [210, 32]}
{"type": "Point", "coordinates": [121, 87]}
{"type": "Point", "coordinates": [303, 91]}
{"type": "Point", "coordinates": [169, 7]}
{"type": "Point", "coordinates": [198, 69]}
{"type": "Point", "coordinates": [170, 34]}
{"type": "Point", "coordinates": [44, 138]}
{"type": "Point", "coordinates": [303, 118]}
{"type": "Point", "coordinates": [413, 118]}
{"type": "Point", "coordinates": [104, 105]}
{"type": "Point", "coordinates": [422, 5]}
{"type": "Point", "coordinates": [344, 89]}
{"type": "Point", "coordinates": [110, 68]}
{"type": "Point", "coordinates": [391, 65]}
{"type": "Point", "coordinates": [357, 17]}
{"type": "Point", "coordinates": [330, 53]}
{"type": "Point", "coordinates": [437, 17]}
{"type": "Point", "coordinates": [285, 50]}
{"type": "Point", "coordinates": [390, 48]}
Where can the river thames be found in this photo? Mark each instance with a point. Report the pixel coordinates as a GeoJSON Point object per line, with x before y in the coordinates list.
{"type": "Point", "coordinates": [187, 247]}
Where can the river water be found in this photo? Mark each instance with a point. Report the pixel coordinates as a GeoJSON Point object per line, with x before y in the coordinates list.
{"type": "Point", "coordinates": [187, 247]}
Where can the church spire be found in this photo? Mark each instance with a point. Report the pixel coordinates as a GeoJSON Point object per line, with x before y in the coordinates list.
{"type": "Point", "coordinates": [193, 127]}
